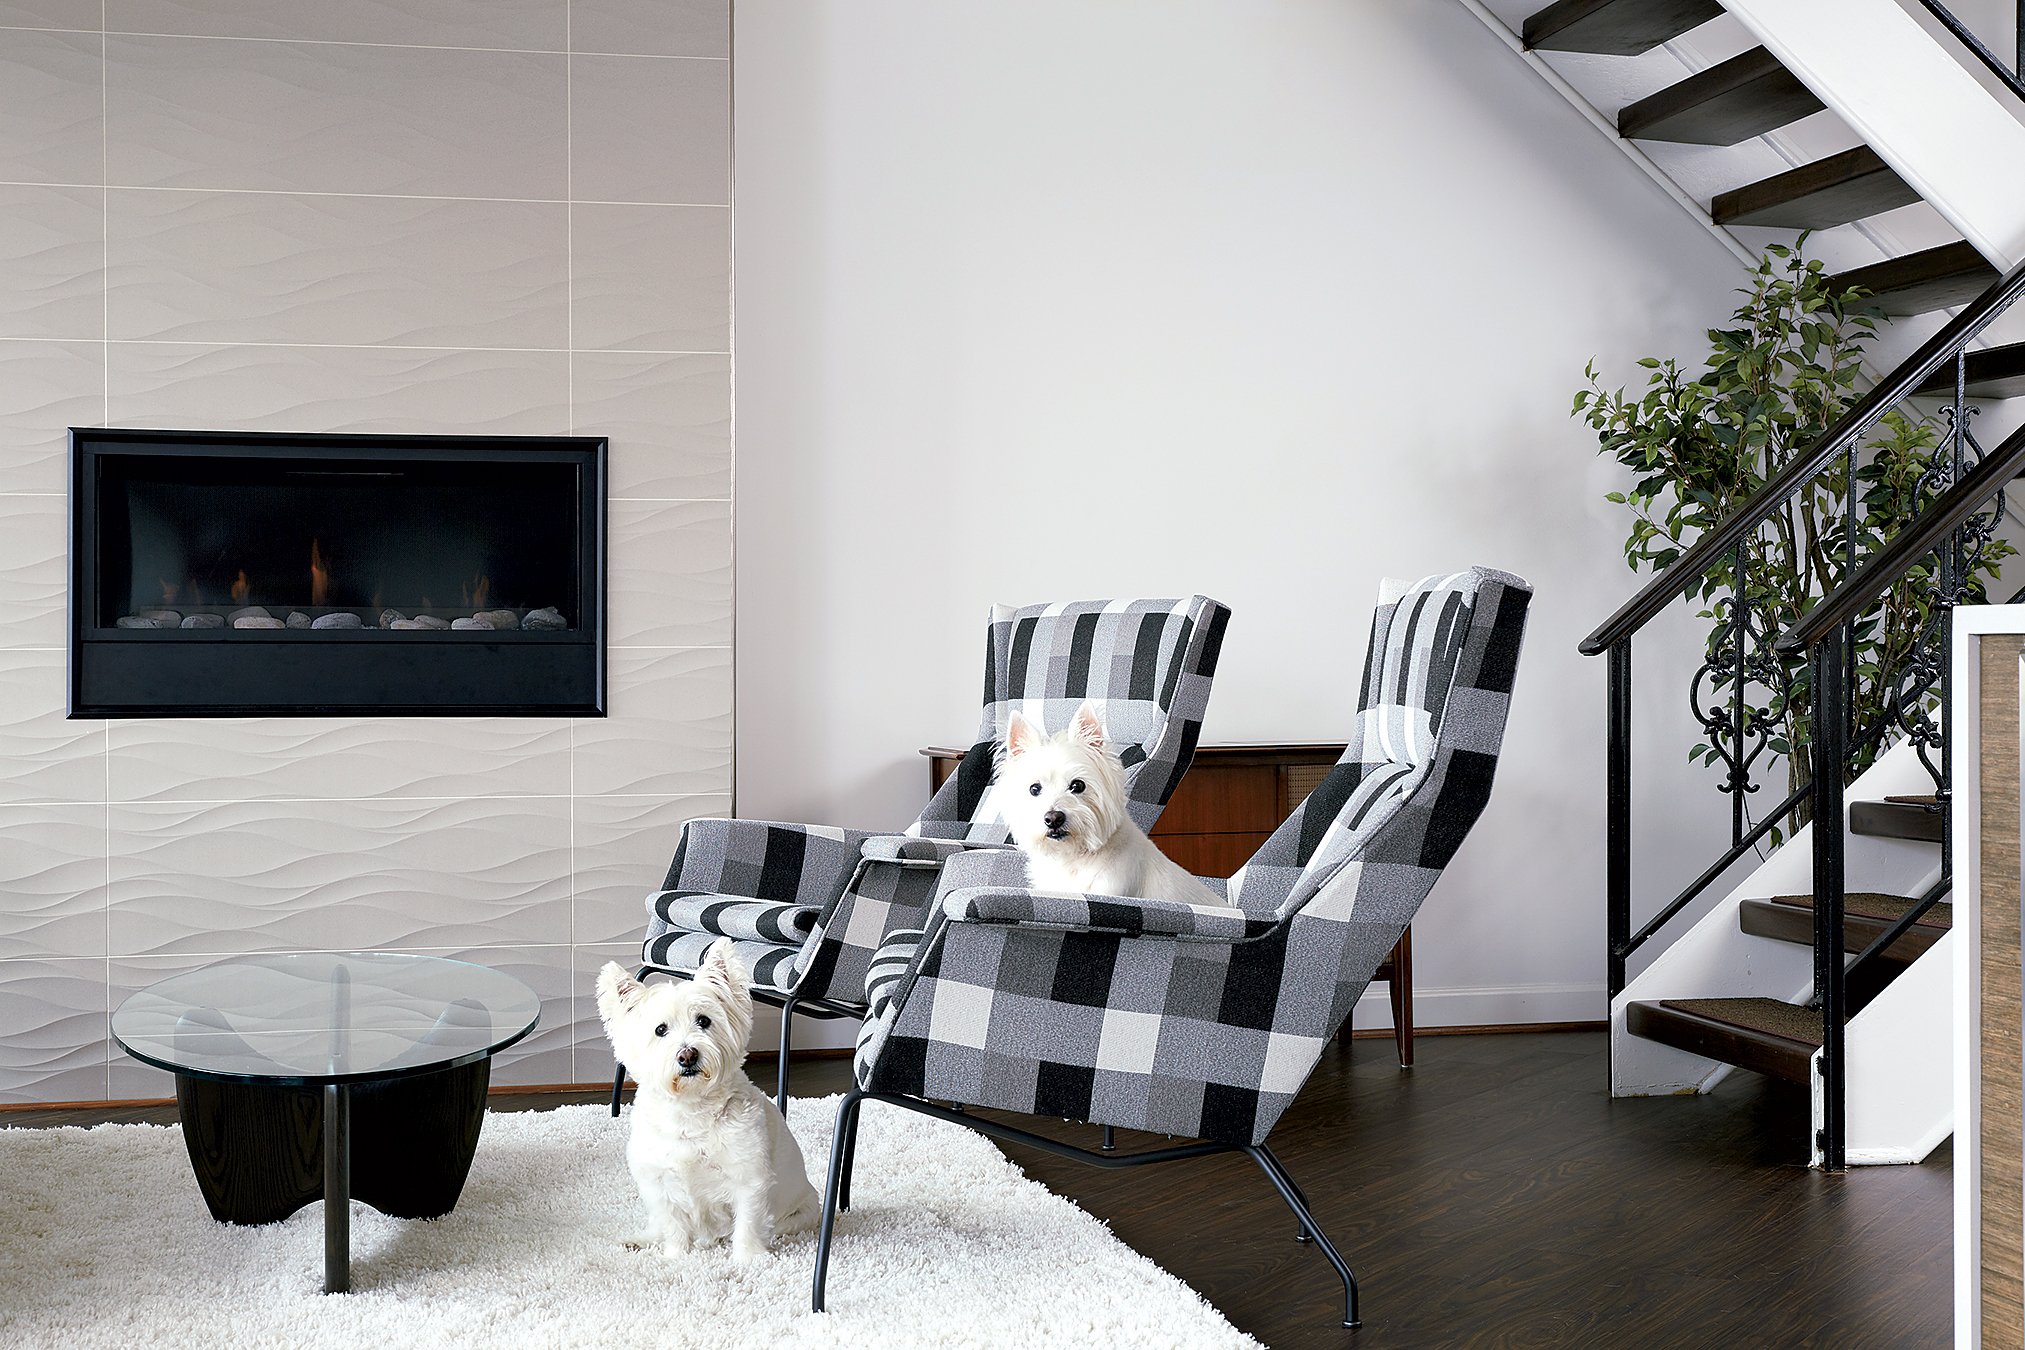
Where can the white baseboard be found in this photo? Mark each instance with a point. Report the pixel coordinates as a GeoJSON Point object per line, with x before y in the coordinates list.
{"type": "Point", "coordinates": [1488, 1006]}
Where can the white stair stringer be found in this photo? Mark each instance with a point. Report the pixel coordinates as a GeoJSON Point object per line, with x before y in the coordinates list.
{"type": "Point", "coordinates": [1899, 1066]}
{"type": "Point", "coordinates": [1912, 102]}
{"type": "Point", "coordinates": [1716, 959]}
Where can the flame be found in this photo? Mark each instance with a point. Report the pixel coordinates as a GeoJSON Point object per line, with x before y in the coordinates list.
{"type": "Point", "coordinates": [476, 592]}
{"type": "Point", "coordinates": [319, 575]}
{"type": "Point", "coordinates": [196, 593]}
{"type": "Point", "coordinates": [427, 603]}
{"type": "Point", "coordinates": [376, 597]}
{"type": "Point", "coordinates": [240, 590]}
{"type": "Point", "coordinates": [168, 592]}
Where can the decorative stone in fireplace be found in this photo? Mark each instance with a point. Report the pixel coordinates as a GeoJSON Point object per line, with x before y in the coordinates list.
{"type": "Point", "coordinates": [228, 574]}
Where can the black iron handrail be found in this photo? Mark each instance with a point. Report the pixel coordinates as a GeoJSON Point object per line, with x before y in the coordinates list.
{"type": "Point", "coordinates": [1883, 569]}
{"type": "Point", "coordinates": [2009, 75]}
{"type": "Point", "coordinates": [1733, 529]}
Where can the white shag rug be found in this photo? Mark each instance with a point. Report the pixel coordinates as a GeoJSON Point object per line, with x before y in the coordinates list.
{"type": "Point", "coordinates": [104, 1241]}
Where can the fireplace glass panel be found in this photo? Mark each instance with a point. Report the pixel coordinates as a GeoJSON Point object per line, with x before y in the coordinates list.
{"type": "Point", "coordinates": [186, 536]}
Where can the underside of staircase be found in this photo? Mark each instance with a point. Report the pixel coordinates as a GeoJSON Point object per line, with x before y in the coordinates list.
{"type": "Point", "coordinates": [1851, 1000]}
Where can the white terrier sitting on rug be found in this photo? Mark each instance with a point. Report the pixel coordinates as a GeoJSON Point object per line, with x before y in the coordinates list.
{"type": "Point", "coordinates": [709, 1151]}
{"type": "Point", "coordinates": [1063, 796]}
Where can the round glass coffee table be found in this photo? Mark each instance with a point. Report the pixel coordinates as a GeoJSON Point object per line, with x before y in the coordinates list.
{"type": "Point", "coordinates": [329, 1075]}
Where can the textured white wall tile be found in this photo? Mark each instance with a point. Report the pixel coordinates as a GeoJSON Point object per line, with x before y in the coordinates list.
{"type": "Point", "coordinates": [668, 418]}
{"type": "Point", "coordinates": [647, 129]}
{"type": "Point", "coordinates": [652, 27]}
{"type": "Point", "coordinates": [80, 14]}
{"type": "Point", "coordinates": [669, 732]}
{"type": "Point", "coordinates": [545, 1056]}
{"type": "Point", "coordinates": [52, 253]}
{"type": "Point", "coordinates": [332, 118]}
{"type": "Point", "coordinates": [196, 760]}
{"type": "Point", "coordinates": [270, 267]}
{"type": "Point", "coordinates": [44, 755]}
{"type": "Point", "coordinates": [45, 389]}
{"type": "Point", "coordinates": [587, 1033]}
{"type": "Point", "coordinates": [33, 551]}
{"type": "Point", "coordinates": [294, 876]}
{"type": "Point", "coordinates": [623, 847]}
{"type": "Point", "coordinates": [652, 278]}
{"type": "Point", "coordinates": [54, 1013]}
{"type": "Point", "coordinates": [52, 878]}
{"type": "Point", "coordinates": [531, 24]}
{"type": "Point", "coordinates": [670, 582]}
{"type": "Point", "coordinates": [49, 108]}
{"type": "Point", "coordinates": [356, 389]}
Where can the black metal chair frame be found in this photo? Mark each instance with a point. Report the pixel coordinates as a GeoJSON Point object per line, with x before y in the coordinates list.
{"type": "Point", "coordinates": [844, 1148]}
{"type": "Point", "coordinates": [790, 1005]}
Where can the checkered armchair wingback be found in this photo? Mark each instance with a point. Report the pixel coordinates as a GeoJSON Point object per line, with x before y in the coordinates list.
{"type": "Point", "coordinates": [809, 906]}
{"type": "Point", "coordinates": [1206, 1020]}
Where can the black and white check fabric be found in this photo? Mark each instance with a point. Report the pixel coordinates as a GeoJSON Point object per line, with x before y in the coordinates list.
{"type": "Point", "coordinates": [809, 907]}
{"type": "Point", "coordinates": [1145, 664]}
{"type": "Point", "coordinates": [1187, 1019]}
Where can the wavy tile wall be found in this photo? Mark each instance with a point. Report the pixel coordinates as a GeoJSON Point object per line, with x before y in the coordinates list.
{"type": "Point", "coordinates": [364, 216]}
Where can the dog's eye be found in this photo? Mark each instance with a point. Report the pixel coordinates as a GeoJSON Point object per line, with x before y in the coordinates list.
{"type": "Point", "coordinates": [1034, 791]}
{"type": "Point", "coordinates": [702, 1022]}
{"type": "Point", "coordinates": [1075, 785]}
{"type": "Point", "coordinates": [661, 1030]}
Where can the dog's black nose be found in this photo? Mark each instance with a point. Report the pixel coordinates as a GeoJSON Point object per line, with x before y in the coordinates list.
{"type": "Point", "coordinates": [1054, 820]}
{"type": "Point", "coordinates": [685, 1058]}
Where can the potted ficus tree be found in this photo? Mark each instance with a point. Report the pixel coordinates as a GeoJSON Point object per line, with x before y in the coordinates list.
{"type": "Point", "coordinates": [1700, 444]}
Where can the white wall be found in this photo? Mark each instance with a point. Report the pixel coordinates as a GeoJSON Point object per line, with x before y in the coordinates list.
{"type": "Point", "coordinates": [1265, 300]}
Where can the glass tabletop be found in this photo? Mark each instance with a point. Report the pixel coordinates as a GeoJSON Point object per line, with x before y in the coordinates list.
{"type": "Point", "coordinates": [326, 1017]}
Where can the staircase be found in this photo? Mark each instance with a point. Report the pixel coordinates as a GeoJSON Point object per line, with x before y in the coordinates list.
{"type": "Point", "coordinates": [1828, 960]}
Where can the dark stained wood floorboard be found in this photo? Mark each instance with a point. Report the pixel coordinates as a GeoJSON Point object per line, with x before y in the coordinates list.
{"type": "Point", "coordinates": [1496, 1196]}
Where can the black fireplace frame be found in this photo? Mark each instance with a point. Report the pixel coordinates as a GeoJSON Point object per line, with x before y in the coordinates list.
{"type": "Point", "coordinates": [119, 673]}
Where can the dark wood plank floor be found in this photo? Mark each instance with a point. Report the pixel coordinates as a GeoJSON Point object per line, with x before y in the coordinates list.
{"type": "Point", "coordinates": [1496, 1196]}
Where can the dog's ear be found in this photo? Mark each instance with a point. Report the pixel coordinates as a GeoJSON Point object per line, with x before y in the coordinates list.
{"type": "Point", "coordinates": [1089, 727]}
{"type": "Point", "coordinates": [1020, 735]}
{"type": "Point", "coordinates": [722, 970]}
{"type": "Point", "coordinates": [617, 991]}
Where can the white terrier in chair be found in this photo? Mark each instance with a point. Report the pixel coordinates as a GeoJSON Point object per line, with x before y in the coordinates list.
{"type": "Point", "coordinates": [1063, 796]}
{"type": "Point", "coordinates": [709, 1151]}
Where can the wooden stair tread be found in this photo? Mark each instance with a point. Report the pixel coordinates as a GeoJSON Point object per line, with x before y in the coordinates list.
{"type": "Point", "coordinates": [1817, 196]}
{"type": "Point", "coordinates": [1865, 916]}
{"type": "Point", "coordinates": [1933, 278]}
{"type": "Point", "coordinates": [1997, 372]}
{"type": "Point", "coordinates": [1760, 1034]}
{"type": "Point", "coordinates": [1614, 27]}
{"type": "Point", "coordinates": [1917, 818]}
{"type": "Point", "coordinates": [1876, 905]}
{"type": "Point", "coordinates": [1742, 97]}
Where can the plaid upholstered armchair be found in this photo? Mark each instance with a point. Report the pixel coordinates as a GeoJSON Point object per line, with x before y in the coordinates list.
{"type": "Point", "coordinates": [1194, 1020]}
{"type": "Point", "coordinates": [808, 906]}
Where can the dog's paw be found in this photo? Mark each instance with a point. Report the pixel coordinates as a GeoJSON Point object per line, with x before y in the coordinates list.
{"type": "Point", "coordinates": [748, 1251]}
{"type": "Point", "coordinates": [676, 1247]}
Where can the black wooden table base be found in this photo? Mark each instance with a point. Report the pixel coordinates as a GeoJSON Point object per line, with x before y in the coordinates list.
{"type": "Point", "coordinates": [403, 1146]}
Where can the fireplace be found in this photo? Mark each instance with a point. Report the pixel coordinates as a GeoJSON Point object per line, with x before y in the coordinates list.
{"type": "Point", "coordinates": [237, 573]}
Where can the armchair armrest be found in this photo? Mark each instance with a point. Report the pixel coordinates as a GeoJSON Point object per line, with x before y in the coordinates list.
{"type": "Point", "coordinates": [764, 860]}
{"type": "Point", "coordinates": [1129, 916]}
{"type": "Point", "coordinates": [913, 851]}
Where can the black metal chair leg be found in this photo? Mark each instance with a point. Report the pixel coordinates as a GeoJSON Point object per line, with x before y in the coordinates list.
{"type": "Point", "coordinates": [787, 1031]}
{"type": "Point", "coordinates": [1297, 1202]}
{"type": "Point", "coordinates": [1110, 1139]}
{"type": "Point", "coordinates": [850, 1160]}
{"type": "Point", "coordinates": [847, 1123]}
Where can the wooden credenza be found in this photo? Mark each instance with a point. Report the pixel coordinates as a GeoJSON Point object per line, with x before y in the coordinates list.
{"type": "Point", "coordinates": [1230, 802]}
